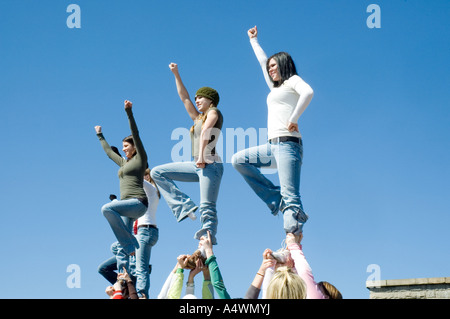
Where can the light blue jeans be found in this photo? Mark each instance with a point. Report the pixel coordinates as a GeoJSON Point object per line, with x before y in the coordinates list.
{"type": "Point", "coordinates": [287, 158]}
{"type": "Point", "coordinates": [147, 238]}
{"type": "Point", "coordinates": [209, 179]}
{"type": "Point", "coordinates": [121, 214]}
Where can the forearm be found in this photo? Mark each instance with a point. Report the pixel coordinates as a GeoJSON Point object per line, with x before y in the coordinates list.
{"type": "Point", "coordinates": [132, 290]}
{"type": "Point", "coordinates": [262, 59]}
{"type": "Point", "coordinates": [305, 272]}
{"type": "Point", "coordinates": [108, 150]}
{"type": "Point", "coordinates": [267, 278]}
{"type": "Point", "coordinates": [181, 89]}
{"type": "Point", "coordinates": [306, 94]}
{"type": "Point", "coordinates": [207, 290]}
{"type": "Point", "coordinates": [216, 278]}
{"type": "Point", "coordinates": [177, 285]}
{"type": "Point", "coordinates": [135, 133]}
{"type": "Point", "coordinates": [252, 292]}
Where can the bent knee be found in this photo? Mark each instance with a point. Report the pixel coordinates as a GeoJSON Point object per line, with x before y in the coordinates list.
{"type": "Point", "coordinates": [237, 160]}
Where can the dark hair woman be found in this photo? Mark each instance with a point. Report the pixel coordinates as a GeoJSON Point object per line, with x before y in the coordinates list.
{"type": "Point", "coordinates": [288, 98]}
{"type": "Point", "coordinates": [133, 201]}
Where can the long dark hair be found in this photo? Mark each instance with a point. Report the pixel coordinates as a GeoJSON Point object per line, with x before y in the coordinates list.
{"type": "Point", "coordinates": [286, 67]}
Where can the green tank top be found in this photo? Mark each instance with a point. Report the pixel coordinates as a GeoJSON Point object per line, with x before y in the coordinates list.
{"type": "Point", "coordinates": [210, 149]}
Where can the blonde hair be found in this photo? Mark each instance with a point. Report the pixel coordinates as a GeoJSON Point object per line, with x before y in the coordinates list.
{"type": "Point", "coordinates": [286, 284]}
{"type": "Point", "coordinates": [201, 117]}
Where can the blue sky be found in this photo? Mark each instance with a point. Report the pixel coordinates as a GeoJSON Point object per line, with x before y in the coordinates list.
{"type": "Point", "coordinates": [376, 135]}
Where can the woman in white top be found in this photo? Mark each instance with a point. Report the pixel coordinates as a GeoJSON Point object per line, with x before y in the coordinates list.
{"type": "Point", "coordinates": [147, 234]}
{"type": "Point", "coordinates": [288, 98]}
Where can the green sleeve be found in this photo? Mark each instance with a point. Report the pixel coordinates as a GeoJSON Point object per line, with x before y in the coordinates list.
{"type": "Point", "coordinates": [207, 290]}
{"type": "Point", "coordinates": [108, 150]}
{"type": "Point", "coordinates": [177, 285]}
{"type": "Point", "coordinates": [216, 278]}
{"type": "Point", "coordinates": [136, 138]}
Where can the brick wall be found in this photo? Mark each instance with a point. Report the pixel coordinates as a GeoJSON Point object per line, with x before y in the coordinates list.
{"type": "Point", "coordinates": [419, 288]}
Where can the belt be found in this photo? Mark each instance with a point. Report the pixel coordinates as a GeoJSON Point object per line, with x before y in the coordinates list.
{"type": "Point", "coordinates": [281, 139]}
{"type": "Point", "coordinates": [148, 226]}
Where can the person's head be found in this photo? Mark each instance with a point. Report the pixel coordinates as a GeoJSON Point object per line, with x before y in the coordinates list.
{"type": "Point", "coordinates": [280, 67]}
{"type": "Point", "coordinates": [109, 291]}
{"type": "Point", "coordinates": [191, 261]}
{"type": "Point", "coordinates": [148, 178]}
{"type": "Point", "coordinates": [205, 98]}
{"type": "Point", "coordinates": [329, 290]}
{"type": "Point", "coordinates": [286, 284]}
{"type": "Point", "coordinates": [128, 147]}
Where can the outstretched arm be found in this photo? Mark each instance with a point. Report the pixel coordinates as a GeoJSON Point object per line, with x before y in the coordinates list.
{"type": "Point", "coordinates": [108, 150]}
{"type": "Point", "coordinates": [211, 262]}
{"type": "Point", "coordinates": [134, 131]}
{"type": "Point", "coordinates": [260, 54]}
{"type": "Point", "coordinates": [302, 267]}
{"type": "Point", "coordinates": [183, 93]}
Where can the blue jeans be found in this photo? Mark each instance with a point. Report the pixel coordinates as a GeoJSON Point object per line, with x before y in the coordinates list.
{"type": "Point", "coordinates": [108, 268]}
{"type": "Point", "coordinates": [147, 238]}
{"type": "Point", "coordinates": [287, 157]}
{"type": "Point", "coordinates": [209, 179]}
{"type": "Point", "coordinates": [121, 215]}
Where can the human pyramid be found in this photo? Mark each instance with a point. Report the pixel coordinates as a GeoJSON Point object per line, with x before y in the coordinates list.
{"type": "Point", "coordinates": [283, 274]}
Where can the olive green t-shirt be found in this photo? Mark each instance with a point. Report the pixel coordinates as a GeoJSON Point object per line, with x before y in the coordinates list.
{"type": "Point", "coordinates": [131, 172]}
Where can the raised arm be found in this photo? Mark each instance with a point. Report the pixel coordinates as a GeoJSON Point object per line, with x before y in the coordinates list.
{"type": "Point", "coordinates": [134, 131]}
{"type": "Point", "coordinates": [108, 150]}
{"type": "Point", "coordinates": [183, 93]}
{"type": "Point", "coordinates": [302, 267]}
{"type": "Point", "coordinates": [255, 288]}
{"type": "Point", "coordinates": [211, 262]}
{"type": "Point", "coordinates": [260, 54]}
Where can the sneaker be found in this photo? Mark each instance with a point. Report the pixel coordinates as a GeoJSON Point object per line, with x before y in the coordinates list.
{"type": "Point", "coordinates": [281, 256]}
{"type": "Point", "coordinates": [192, 216]}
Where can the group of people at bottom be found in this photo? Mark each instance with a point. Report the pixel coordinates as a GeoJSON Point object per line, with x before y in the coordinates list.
{"type": "Point", "coordinates": [283, 274]}
{"type": "Point", "coordinates": [288, 98]}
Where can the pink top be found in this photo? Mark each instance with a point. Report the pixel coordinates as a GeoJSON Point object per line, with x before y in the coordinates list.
{"type": "Point", "coordinates": [304, 271]}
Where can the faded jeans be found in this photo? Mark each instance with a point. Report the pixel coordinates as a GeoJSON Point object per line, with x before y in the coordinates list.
{"type": "Point", "coordinates": [121, 215]}
{"type": "Point", "coordinates": [287, 158]}
{"type": "Point", "coordinates": [209, 179]}
{"type": "Point", "coordinates": [147, 238]}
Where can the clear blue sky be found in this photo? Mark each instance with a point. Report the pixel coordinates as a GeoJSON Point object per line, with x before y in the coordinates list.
{"type": "Point", "coordinates": [375, 176]}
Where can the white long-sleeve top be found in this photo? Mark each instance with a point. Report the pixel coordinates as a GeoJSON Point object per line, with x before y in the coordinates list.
{"type": "Point", "coordinates": [149, 218]}
{"type": "Point", "coordinates": [285, 103]}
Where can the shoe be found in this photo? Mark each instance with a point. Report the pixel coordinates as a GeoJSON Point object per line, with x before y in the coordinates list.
{"type": "Point", "coordinates": [192, 216]}
{"type": "Point", "coordinates": [281, 255]}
